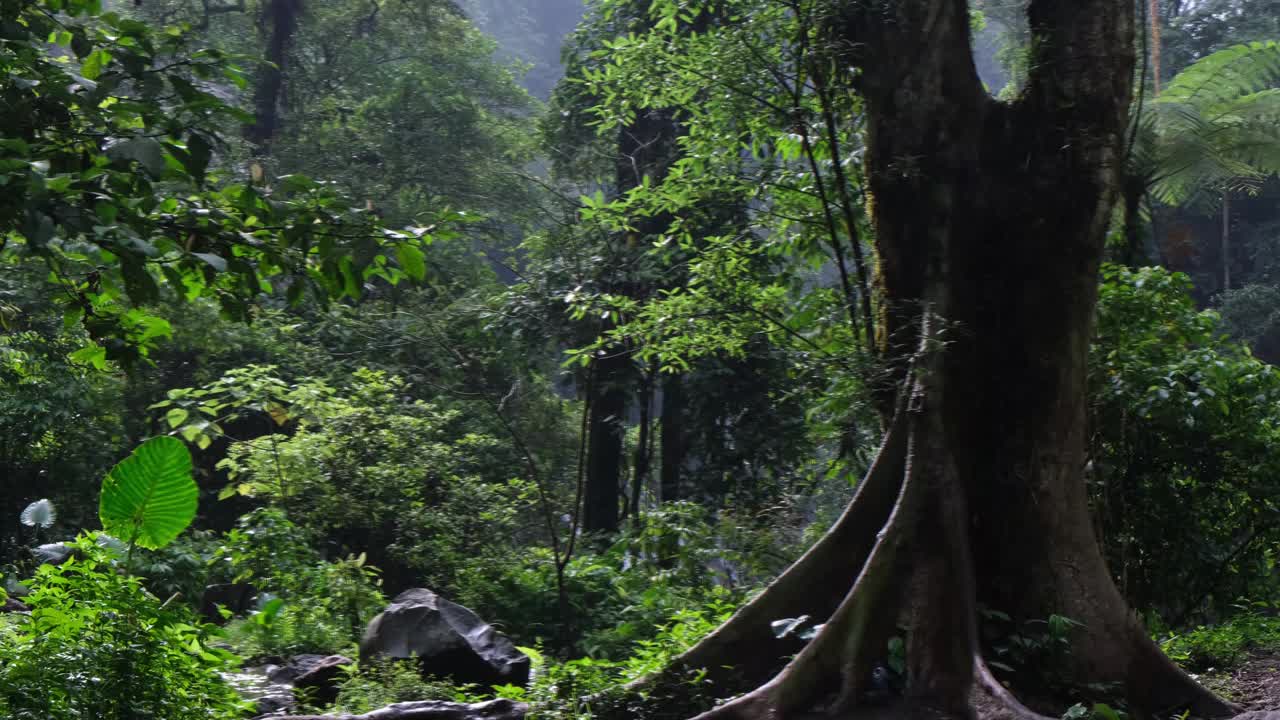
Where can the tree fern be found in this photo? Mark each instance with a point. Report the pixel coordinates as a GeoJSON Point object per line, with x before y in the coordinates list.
{"type": "Point", "coordinates": [1226, 75]}
{"type": "Point", "coordinates": [1215, 129]}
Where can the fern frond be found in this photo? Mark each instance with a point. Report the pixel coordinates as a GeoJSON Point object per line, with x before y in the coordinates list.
{"type": "Point", "coordinates": [1218, 126]}
{"type": "Point", "coordinates": [1226, 75]}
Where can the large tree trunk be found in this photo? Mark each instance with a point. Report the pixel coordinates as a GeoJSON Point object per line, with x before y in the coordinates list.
{"type": "Point", "coordinates": [990, 219]}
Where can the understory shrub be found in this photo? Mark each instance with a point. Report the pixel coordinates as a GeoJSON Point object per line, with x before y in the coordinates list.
{"type": "Point", "coordinates": [1224, 645]}
{"type": "Point", "coordinates": [412, 484]}
{"type": "Point", "coordinates": [673, 561]}
{"type": "Point", "coordinates": [98, 645]}
{"type": "Point", "coordinates": [584, 688]}
{"type": "Point", "coordinates": [305, 604]}
{"type": "Point", "coordinates": [386, 681]}
{"type": "Point", "coordinates": [1183, 472]}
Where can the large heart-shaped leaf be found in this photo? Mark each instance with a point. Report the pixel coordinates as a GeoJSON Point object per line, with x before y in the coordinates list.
{"type": "Point", "coordinates": [150, 497]}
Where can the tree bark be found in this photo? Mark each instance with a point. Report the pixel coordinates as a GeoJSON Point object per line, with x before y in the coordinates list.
{"type": "Point", "coordinates": [1134, 252]}
{"type": "Point", "coordinates": [279, 23]}
{"type": "Point", "coordinates": [1226, 241]}
{"type": "Point", "coordinates": [604, 450]}
{"type": "Point", "coordinates": [644, 445]}
{"type": "Point", "coordinates": [990, 220]}
{"type": "Point", "coordinates": [673, 441]}
{"type": "Point", "coordinates": [644, 151]}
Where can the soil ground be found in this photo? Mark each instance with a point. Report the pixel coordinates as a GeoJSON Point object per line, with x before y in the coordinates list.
{"type": "Point", "coordinates": [1255, 684]}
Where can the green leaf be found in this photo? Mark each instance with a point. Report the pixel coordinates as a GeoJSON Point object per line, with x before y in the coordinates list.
{"type": "Point", "coordinates": [93, 65]}
{"type": "Point", "coordinates": [94, 355]}
{"type": "Point", "coordinates": [150, 497]}
{"type": "Point", "coordinates": [176, 417]}
{"type": "Point", "coordinates": [215, 261]}
{"type": "Point", "coordinates": [413, 260]}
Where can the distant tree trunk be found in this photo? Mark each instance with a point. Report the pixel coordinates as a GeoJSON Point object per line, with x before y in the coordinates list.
{"type": "Point", "coordinates": [644, 445]}
{"type": "Point", "coordinates": [607, 428]}
{"type": "Point", "coordinates": [990, 220]}
{"type": "Point", "coordinates": [1157, 44]}
{"type": "Point", "coordinates": [1134, 253]}
{"type": "Point", "coordinates": [673, 437]}
{"type": "Point", "coordinates": [644, 150]}
{"type": "Point", "coordinates": [1226, 241]}
{"type": "Point", "coordinates": [278, 23]}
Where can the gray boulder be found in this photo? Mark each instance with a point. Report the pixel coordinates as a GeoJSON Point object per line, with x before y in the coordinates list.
{"type": "Point", "coordinates": [289, 670]}
{"type": "Point", "coordinates": [319, 685]}
{"type": "Point", "coordinates": [236, 597]}
{"type": "Point", "coordinates": [447, 639]}
{"type": "Point", "coordinates": [436, 710]}
{"type": "Point", "coordinates": [13, 605]}
{"type": "Point", "coordinates": [276, 704]}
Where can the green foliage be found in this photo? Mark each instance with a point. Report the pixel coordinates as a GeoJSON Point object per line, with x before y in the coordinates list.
{"type": "Point", "coordinates": [1034, 655]}
{"type": "Point", "coordinates": [1196, 30]}
{"type": "Point", "coordinates": [404, 481]}
{"type": "Point", "coordinates": [60, 423]}
{"type": "Point", "coordinates": [386, 681]}
{"type": "Point", "coordinates": [708, 258]}
{"type": "Point", "coordinates": [1251, 314]}
{"type": "Point", "coordinates": [180, 568]}
{"type": "Point", "coordinates": [1095, 711]}
{"type": "Point", "coordinates": [106, 158]}
{"type": "Point", "coordinates": [673, 562]}
{"type": "Point", "coordinates": [199, 414]}
{"type": "Point", "coordinates": [265, 549]}
{"type": "Point", "coordinates": [585, 688]}
{"type": "Point", "coordinates": [149, 498]}
{"type": "Point", "coordinates": [306, 604]}
{"type": "Point", "coordinates": [1221, 78]}
{"type": "Point", "coordinates": [1215, 126]}
{"type": "Point", "coordinates": [405, 106]}
{"type": "Point", "coordinates": [1183, 469]}
{"type": "Point", "coordinates": [1225, 645]}
{"type": "Point", "coordinates": [98, 645]}
{"type": "Point", "coordinates": [413, 112]}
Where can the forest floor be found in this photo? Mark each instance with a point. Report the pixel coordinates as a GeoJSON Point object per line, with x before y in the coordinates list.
{"type": "Point", "coordinates": [1255, 684]}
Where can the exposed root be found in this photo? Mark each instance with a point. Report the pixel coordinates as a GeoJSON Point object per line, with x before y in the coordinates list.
{"type": "Point", "coordinates": [992, 701]}
{"type": "Point", "coordinates": [922, 554]}
{"type": "Point", "coordinates": [829, 675]}
{"type": "Point", "coordinates": [1158, 687]}
{"type": "Point", "coordinates": [743, 653]}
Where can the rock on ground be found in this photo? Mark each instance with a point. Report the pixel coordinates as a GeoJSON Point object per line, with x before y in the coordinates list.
{"type": "Point", "coordinates": [235, 597]}
{"type": "Point", "coordinates": [319, 685]}
{"type": "Point", "coordinates": [447, 639]}
{"type": "Point", "coordinates": [290, 669]}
